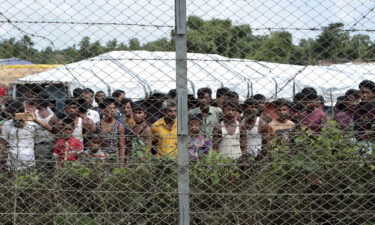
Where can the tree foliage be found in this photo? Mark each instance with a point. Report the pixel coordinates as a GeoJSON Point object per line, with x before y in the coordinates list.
{"type": "Point", "coordinates": [216, 36]}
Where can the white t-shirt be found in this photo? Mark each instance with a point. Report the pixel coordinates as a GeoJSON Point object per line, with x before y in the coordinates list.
{"type": "Point", "coordinates": [93, 115]}
{"type": "Point", "coordinates": [20, 144]}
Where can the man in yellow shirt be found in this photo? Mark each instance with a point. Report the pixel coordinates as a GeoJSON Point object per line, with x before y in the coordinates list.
{"type": "Point", "coordinates": [165, 131]}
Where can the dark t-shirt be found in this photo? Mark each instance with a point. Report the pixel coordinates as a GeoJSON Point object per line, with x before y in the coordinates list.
{"type": "Point", "coordinates": [364, 119]}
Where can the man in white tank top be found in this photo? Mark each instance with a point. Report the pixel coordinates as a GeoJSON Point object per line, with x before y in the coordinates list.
{"type": "Point", "coordinates": [82, 124]}
{"type": "Point", "coordinates": [255, 127]}
{"type": "Point", "coordinates": [229, 138]}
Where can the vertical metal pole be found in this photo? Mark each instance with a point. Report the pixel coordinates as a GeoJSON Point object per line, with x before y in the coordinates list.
{"type": "Point", "coordinates": [182, 108]}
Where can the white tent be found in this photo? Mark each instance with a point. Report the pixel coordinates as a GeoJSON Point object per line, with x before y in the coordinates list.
{"type": "Point", "coordinates": [139, 73]}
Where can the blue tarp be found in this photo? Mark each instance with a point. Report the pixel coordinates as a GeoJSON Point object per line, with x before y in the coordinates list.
{"type": "Point", "coordinates": [14, 61]}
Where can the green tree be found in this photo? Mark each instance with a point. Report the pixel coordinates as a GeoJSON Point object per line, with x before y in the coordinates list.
{"type": "Point", "coordinates": [134, 44]}
{"type": "Point", "coordinates": [8, 48]}
{"type": "Point", "coordinates": [111, 45]}
{"type": "Point", "coordinates": [277, 48]}
{"type": "Point", "coordinates": [162, 44]}
{"type": "Point", "coordinates": [84, 48]}
{"type": "Point", "coordinates": [359, 47]}
{"type": "Point", "coordinates": [330, 44]}
{"type": "Point", "coordinates": [302, 54]}
{"type": "Point", "coordinates": [218, 36]}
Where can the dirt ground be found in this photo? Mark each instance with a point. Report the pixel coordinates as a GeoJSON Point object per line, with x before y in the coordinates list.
{"type": "Point", "coordinates": [9, 74]}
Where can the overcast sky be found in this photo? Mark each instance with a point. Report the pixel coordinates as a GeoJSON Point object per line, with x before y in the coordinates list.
{"type": "Point", "coordinates": [155, 18]}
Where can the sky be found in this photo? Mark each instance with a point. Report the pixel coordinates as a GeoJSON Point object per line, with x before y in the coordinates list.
{"type": "Point", "coordinates": [65, 22]}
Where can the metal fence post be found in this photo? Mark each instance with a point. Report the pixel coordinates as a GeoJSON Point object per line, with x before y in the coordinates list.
{"type": "Point", "coordinates": [181, 86]}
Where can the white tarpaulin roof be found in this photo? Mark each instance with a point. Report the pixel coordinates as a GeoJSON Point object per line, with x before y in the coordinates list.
{"type": "Point", "coordinates": [139, 73]}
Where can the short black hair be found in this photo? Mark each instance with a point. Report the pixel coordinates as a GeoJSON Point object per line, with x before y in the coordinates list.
{"type": "Point", "coordinates": [222, 91]}
{"type": "Point", "coordinates": [172, 93]}
{"type": "Point", "coordinates": [196, 117]}
{"type": "Point", "coordinates": [259, 97]}
{"type": "Point", "coordinates": [117, 93]}
{"type": "Point", "coordinates": [139, 106]}
{"type": "Point", "coordinates": [354, 92]}
{"type": "Point", "coordinates": [100, 91]}
{"type": "Point", "coordinates": [88, 90]}
{"type": "Point", "coordinates": [202, 91]}
{"type": "Point", "coordinates": [309, 90]}
{"type": "Point", "coordinates": [83, 106]}
{"type": "Point", "coordinates": [282, 102]}
{"type": "Point", "coordinates": [298, 97]}
{"type": "Point", "coordinates": [367, 84]}
{"type": "Point", "coordinates": [125, 101]}
{"type": "Point", "coordinates": [106, 102]}
{"type": "Point", "coordinates": [231, 103]}
{"type": "Point", "coordinates": [71, 101]}
{"type": "Point", "coordinates": [77, 92]}
{"type": "Point", "coordinates": [297, 106]}
{"type": "Point", "coordinates": [250, 101]}
{"type": "Point", "coordinates": [68, 121]}
{"type": "Point", "coordinates": [232, 95]}
{"type": "Point", "coordinates": [309, 94]}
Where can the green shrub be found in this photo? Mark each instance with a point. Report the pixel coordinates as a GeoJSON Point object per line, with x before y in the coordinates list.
{"type": "Point", "coordinates": [312, 180]}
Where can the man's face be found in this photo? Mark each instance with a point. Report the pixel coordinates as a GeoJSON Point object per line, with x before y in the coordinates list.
{"type": "Point", "coordinates": [89, 97]}
{"type": "Point", "coordinates": [366, 94]}
{"type": "Point", "coordinates": [171, 113]}
{"type": "Point", "coordinates": [120, 97]}
{"type": "Point", "coordinates": [319, 104]}
{"type": "Point", "coordinates": [252, 110]}
{"type": "Point", "coordinates": [262, 104]}
{"type": "Point", "coordinates": [139, 116]}
{"type": "Point", "coordinates": [352, 100]}
{"type": "Point", "coordinates": [294, 114]}
{"type": "Point", "coordinates": [282, 112]}
{"type": "Point", "coordinates": [30, 107]}
{"type": "Point", "coordinates": [205, 100]}
{"type": "Point", "coordinates": [99, 96]}
{"type": "Point", "coordinates": [110, 111]}
{"type": "Point", "coordinates": [194, 126]}
{"type": "Point", "coordinates": [310, 104]}
{"type": "Point", "coordinates": [229, 111]}
{"type": "Point", "coordinates": [127, 109]}
{"type": "Point", "coordinates": [72, 110]}
{"type": "Point", "coordinates": [67, 130]}
{"type": "Point", "coordinates": [221, 100]}
{"type": "Point", "coordinates": [95, 144]}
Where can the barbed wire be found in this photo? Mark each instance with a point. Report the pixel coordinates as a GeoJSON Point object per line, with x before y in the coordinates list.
{"type": "Point", "coordinates": [86, 23]}
{"type": "Point", "coordinates": [352, 29]}
{"type": "Point", "coordinates": [25, 32]}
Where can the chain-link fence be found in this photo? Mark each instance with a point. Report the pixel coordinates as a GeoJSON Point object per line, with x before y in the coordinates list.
{"type": "Point", "coordinates": [213, 112]}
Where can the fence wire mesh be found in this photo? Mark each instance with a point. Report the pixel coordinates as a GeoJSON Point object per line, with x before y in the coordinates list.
{"type": "Point", "coordinates": [281, 112]}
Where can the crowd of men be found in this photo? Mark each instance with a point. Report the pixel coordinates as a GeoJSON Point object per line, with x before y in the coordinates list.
{"type": "Point", "coordinates": [117, 131]}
